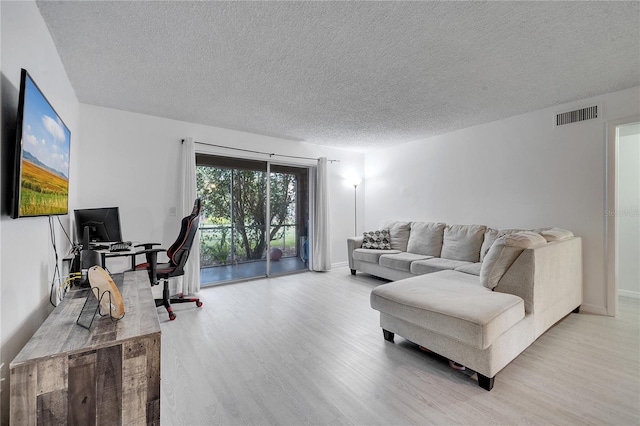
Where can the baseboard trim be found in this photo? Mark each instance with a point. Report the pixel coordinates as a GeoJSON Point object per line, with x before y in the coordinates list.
{"type": "Point", "coordinates": [339, 264]}
{"type": "Point", "coordinates": [628, 293]}
{"type": "Point", "coordinates": [593, 309]}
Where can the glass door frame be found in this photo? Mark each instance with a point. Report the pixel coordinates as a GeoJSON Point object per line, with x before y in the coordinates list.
{"type": "Point", "coordinates": [268, 213]}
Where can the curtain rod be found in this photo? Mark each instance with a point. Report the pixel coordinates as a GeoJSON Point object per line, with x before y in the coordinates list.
{"type": "Point", "coordinates": [270, 154]}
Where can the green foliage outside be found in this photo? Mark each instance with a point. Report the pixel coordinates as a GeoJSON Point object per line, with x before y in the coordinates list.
{"type": "Point", "coordinates": [245, 212]}
{"type": "Point", "coordinates": [42, 192]}
{"type": "Point", "coordinates": [34, 203]}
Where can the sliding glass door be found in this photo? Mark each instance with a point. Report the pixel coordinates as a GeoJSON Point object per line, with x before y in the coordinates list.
{"type": "Point", "coordinates": [289, 213]}
{"type": "Point", "coordinates": [253, 220]}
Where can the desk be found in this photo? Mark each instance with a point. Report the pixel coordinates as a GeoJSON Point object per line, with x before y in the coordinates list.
{"type": "Point", "coordinates": [105, 254]}
{"type": "Point", "coordinates": [107, 375]}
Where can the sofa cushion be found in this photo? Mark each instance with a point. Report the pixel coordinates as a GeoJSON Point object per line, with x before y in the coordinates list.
{"type": "Point", "coordinates": [400, 261]}
{"type": "Point", "coordinates": [436, 264]}
{"type": "Point", "coordinates": [452, 304]}
{"type": "Point", "coordinates": [556, 234]}
{"type": "Point", "coordinates": [504, 251]}
{"type": "Point", "coordinates": [505, 231]}
{"type": "Point", "coordinates": [426, 238]}
{"type": "Point", "coordinates": [490, 235]}
{"type": "Point", "coordinates": [371, 255]}
{"type": "Point", "coordinates": [462, 242]}
{"type": "Point", "coordinates": [473, 268]}
{"type": "Point", "coordinates": [376, 240]}
{"type": "Point", "coordinates": [399, 232]}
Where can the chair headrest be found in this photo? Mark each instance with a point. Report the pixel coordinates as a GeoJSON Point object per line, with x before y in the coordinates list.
{"type": "Point", "coordinates": [197, 207]}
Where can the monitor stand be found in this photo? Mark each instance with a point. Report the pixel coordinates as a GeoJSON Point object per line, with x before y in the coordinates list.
{"type": "Point", "coordinates": [88, 258]}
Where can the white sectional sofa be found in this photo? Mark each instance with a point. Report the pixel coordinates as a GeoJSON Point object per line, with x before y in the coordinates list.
{"type": "Point", "coordinates": [476, 295]}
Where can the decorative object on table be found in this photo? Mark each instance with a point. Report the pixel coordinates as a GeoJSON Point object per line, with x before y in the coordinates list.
{"type": "Point", "coordinates": [103, 298]}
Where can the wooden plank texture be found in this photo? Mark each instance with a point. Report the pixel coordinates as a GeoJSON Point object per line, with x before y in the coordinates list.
{"type": "Point", "coordinates": [308, 349]}
{"type": "Point", "coordinates": [82, 389]}
{"type": "Point", "coordinates": [52, 374]}
{"type": "Point", "coordinates": [108, 375]}
{"type": "Point", "coordinates": [134, 395]}
{"type": "Point", "coordinates": [23, 384]}
{"type": "Point", "coordinates": [60, 334]}
{"type": "Point", "coordinates": [153, 381]}
{"type": "Point", "coordinates": [52, 408]}
{"type": "Point", "coordinates": [109, 386]}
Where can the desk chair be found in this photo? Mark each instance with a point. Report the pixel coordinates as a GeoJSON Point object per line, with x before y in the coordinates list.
{"type": "Point", "coordinates": [178, 254]}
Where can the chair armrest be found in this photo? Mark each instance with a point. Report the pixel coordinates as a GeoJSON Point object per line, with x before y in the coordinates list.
{"type": "Point", "coordinates": [149, 253]}
{"type": "Point", "coordinates": [146, 251]}
{"type": "Point", "coordinates": [152, 263]}
{"type": "Point", "coordinates": [352, 244]}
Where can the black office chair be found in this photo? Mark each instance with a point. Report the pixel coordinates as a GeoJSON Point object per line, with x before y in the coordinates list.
{"type": "Point", "coordinates": [178, 254]}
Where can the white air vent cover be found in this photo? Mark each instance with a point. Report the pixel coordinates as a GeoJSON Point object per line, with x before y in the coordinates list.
{"type": "Point", "coordinates": [577, 115]}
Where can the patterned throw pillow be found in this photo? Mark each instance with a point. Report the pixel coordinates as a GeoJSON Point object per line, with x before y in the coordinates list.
{"type": "Point", "coordinates": [377, 240]}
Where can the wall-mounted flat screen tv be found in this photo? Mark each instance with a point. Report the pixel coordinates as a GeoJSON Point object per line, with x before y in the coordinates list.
{"type": "Point", "coordinates": [41, 180]}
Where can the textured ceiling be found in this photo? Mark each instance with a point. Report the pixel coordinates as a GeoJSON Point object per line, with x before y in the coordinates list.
{"type": "Point", "coordinates": [353, 74]}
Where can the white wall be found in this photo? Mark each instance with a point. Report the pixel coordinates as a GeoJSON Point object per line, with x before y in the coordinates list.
{"type": "Point", "coordinates": [132, 161]}
{"type": "Point", "coordinates": [628, 216]}
{"type": "Point", "coordinates": [517, 172]}
{"type": "Point", "coordinates": [27, 257]}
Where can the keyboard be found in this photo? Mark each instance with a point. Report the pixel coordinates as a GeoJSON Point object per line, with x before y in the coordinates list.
{"type": "Point", "coordinates": [121, 246]}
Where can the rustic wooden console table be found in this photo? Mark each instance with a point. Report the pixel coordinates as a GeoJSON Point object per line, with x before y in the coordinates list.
{"type": "Point", "coordinates": [108, 375]}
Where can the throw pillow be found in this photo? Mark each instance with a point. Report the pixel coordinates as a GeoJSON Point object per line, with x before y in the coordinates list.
{"type": "Point", "coordinates": [503, 252]}
{"type": "Point", "coordinates": [378, 240]}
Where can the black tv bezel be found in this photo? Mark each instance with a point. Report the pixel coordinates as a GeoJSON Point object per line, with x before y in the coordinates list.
{"type": "Point", "coordinates": [80, 231]}
{"type": "Point", "coordinates": [17, 166]}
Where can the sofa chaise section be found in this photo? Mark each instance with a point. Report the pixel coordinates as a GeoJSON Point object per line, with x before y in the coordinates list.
{"type": "Point", "coordinates": [453, 314]}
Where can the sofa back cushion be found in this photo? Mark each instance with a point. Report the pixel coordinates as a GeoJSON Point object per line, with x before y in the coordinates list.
{"type": "Point", "coordinates": [490, 235]}
{"type": "Point", "coordinates": [462, 242]}
{"type": "Point", "coordinates": [426, 238]}
{"type": "Point", "coordinates": [503, 252]}
{"type": "Point", "coordinates": [399, 233]}
{"type": "Point", "coordinates": [504, 231]}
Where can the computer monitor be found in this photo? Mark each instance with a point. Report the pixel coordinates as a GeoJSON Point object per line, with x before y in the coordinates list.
{"type": "Point", "coordinates": [103, 224]}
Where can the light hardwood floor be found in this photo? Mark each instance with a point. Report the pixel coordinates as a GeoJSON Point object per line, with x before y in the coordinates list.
{"type": "Point", "coordinates": [307, 349]}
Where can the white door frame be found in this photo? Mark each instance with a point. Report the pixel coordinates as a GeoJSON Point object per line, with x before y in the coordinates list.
{"type": "Point", "coordinates": [610, 211]}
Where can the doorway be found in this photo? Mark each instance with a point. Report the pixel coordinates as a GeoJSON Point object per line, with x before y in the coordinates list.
{"type": "Point", "coordinates": [622, 214]}
{"type": "Point", "coordinates": [255, 218]}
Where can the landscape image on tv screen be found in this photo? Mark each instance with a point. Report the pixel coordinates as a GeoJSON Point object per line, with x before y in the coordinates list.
{"type": "Point", "coordinates": [43, 154]}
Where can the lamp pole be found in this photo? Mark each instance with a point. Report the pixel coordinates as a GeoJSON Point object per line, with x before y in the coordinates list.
{"type": "Point", "coordinates": [355, 207]}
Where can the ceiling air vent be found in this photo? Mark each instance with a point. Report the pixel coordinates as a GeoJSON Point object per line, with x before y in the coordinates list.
{"type": "Point", "coordinates": [578, 115]}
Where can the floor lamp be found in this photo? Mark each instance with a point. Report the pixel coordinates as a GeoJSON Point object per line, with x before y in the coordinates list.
{"type": "Point", "coordinates": [355, 182]}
